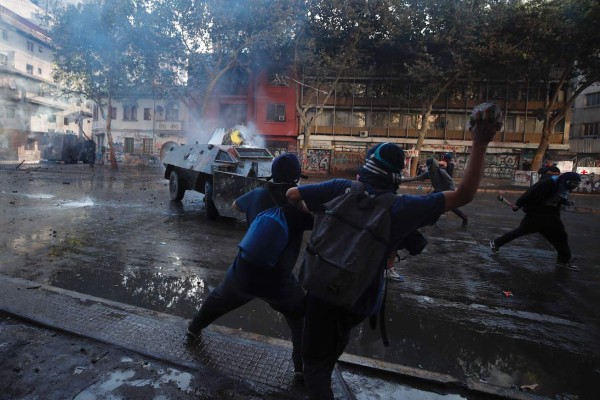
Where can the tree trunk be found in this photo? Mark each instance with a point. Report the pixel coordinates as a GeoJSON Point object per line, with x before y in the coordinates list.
{"type": "Point", "coordinates": [111, 146]}
{"type": "Point", "coordinates": [540, 153]}
{"type": "Point", "coordinates": [421, 137]}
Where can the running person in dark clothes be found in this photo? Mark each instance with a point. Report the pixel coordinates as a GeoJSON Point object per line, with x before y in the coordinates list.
{"type": "Point", "coordinates": [278, 286]}
{"type": "Point", "coordinates": [441, 181]}
{"type": "Point", "coordinates": [542, 203]}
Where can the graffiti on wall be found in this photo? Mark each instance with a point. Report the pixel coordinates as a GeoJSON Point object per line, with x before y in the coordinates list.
{"type": "Point", "coordinates": [347, 160]}
{"type": "Point", "coordinates": [590, 183]}
{"type": "Point", "coordinates": [500, 165]}
{"type": "Point", "coordinates": [524, 178]}
{"type": "Point", "coordinates": [317, 161]}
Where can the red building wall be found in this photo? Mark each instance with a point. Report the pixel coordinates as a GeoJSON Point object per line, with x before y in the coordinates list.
{"type": "Point", "coordinates": [256, 96]}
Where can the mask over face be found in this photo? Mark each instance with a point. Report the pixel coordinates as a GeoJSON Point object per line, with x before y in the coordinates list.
{"type": "Point", "coordinates": [567, 182]}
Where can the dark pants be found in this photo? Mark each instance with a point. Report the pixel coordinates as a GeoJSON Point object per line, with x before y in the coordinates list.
{"type": "Point", "coordinates": [284, 295]}
{"type": "Point", "coordinates": [549, 226]}
{"type": "Point", "coordinates": [326, 334]}
{"type": "Point", "coordinates": [459, 213]}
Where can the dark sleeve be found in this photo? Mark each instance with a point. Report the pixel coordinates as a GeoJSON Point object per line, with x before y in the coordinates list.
{"type": "Point", "coordinates": [448, 180]}
{"type": "Point", "coordinates": [537, 193]}
{"type": "Point", "coordinates": [422, 177]}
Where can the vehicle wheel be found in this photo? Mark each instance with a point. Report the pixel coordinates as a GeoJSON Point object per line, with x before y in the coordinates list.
{"type": "Point", "coordinates": [211, 209]}
{"type": "Point", "coordinates": [176, 187]}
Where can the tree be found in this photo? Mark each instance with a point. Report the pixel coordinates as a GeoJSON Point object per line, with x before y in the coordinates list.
{"type": "Point", "coordinates": [442, 46]}
{"type": "Point", "coordinates": [555, 43]}
{"type": "Point", "coordinates": [336, 39]}
{"type": "Point", "coordinates": [207, 39]}
{"type": "Point", "coordinates": [95, 54]}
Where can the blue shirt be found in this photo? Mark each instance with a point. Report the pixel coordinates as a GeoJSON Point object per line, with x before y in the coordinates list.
{"type": "Point", "coordinates": [253, 203]}
{"type": "Point", "coordinates": [409, 212]}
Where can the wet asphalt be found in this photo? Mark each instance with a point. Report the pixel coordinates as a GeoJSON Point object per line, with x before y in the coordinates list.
{"type": "Point", "coordinates": [510, 320]}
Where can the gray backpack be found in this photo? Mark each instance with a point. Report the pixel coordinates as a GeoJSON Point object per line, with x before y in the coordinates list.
{"type": "Point", "coordinates": [347, 247]}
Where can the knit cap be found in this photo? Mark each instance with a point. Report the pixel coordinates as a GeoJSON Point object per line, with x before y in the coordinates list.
{"type": "Point", "coordinates": [286, 168]}
{"type": "Point", "coordinates": [388, 156]}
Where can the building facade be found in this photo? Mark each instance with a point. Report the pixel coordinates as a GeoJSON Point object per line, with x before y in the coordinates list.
{"type": "Point", "coordinates": [585, 130]}
{"type": "Point", "coordinates": [29, 104]}
{"type": "Point", "coordinates": [364, 111]}
{"type": "Point", "coordinates": [140, 125]}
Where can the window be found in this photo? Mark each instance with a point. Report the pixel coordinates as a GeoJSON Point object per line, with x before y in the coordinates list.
{"type": "Point", "coordinates": [510, 124]}
{"type": "Point", "coordinates": [276, 112]}
{"type": "Point", "coordinates": [172, 112]}
{"type": "Point", "coordinates": [399, 120]}
{"type": "Point", "coordinates": [341, 118]}
{"type": "Point", "coordinates": [147, 115]}
{"type": "Point", "coordinates": [592, 99]}
{"type": "Point", "coordinates": [455, 122]}
{"type": "Point", "coordinates": [29, 68]}
{"type": "Point", "coordinates": [147, 145]}
{"type": "Point", "coordinates": [359, 118]}
{"type": "Point", "coordinates": [324, 119]}
{"type": "Point", "coordinates": [66, 121]}
{"type": "Point", "coordinates": [30, 46]}
{"type": "Point", "coordinates": [113, 113]}
{"type": "Point", "coordinates": [39, 71]}
{"type": "Point", "coordinates": [3, 59]}
{"type": "Point", "coordinates": [592, 129]}
{"type": "Point", "coordinates": [129, 145]}
{"type": "Point", "coordinates": [51, 118]}
{"type": "Point", "coordinates": [129, 113]}
{"type": "Point", "coordinates": [4, 34]}
{"type": "Point", "coordinates": [40, 49]}
{"type": "Point", "coordinates": [379, 119]}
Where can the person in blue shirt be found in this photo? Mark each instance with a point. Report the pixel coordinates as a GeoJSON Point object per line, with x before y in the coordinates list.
{"type": "Point", "coordinates": [278, 286]}
{"type": "Point", "coordinates": [326, 326]}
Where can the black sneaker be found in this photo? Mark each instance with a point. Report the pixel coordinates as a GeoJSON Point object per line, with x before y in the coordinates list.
{"type": "Point", "coordinates": [567, 265]}
{"type": "Point", "coordinates": [299, 376]}
{"type": "Point", "coordinates": [493, 247]}
{"type": "Point", "coordinates": [191, 335]}
{"type": "Point", "coordinates": [465, 222]}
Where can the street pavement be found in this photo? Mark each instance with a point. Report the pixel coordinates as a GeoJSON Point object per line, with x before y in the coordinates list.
{"type": "Point", "coordinates": [57, 344]}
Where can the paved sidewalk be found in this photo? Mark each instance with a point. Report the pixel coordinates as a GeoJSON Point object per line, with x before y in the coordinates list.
{"type": "Point", "coordinates": [251, 366]}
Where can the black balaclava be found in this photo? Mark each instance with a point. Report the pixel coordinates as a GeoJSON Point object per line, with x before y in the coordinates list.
{"type": "Point", "coordinates": [383, 166]}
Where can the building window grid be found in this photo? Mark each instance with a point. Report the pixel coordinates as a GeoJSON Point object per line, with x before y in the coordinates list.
{"type": "Point", "coordinates": [276, 112]}
{"type": "Point", "coordinates": [129, 113]}
{"type": "Point", "coordinates": [592, 129]}
{"type": "Point", "coordinates": [129, 145]}
{"type": "Point", "coordinates": [592, 99]}
{"type": "Point", "coordinates": [30, 46]}
{"type": "Point", "coordinates": [147, 145]}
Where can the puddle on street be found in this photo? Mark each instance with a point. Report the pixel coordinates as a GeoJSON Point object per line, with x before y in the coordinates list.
{"type": "Point", "coordinates": [418, 341]}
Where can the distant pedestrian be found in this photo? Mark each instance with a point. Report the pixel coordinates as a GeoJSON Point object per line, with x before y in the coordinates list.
{"type": "Point", "coordinates": [542, 203]}
{"type": "Point", "coordinates": [441, 181]}
{"type": "Point", "coordinates": [103, 154]}
{"type": "Point", "coordinates": [246, 280]}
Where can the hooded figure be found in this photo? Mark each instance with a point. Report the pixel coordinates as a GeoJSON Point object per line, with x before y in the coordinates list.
{"type": "Point", "coordinates": [449, 164]}
{"type": "Point", "coordinates": [542, 204]}
{"type": "Point", "coordinates": [248, 279]}
{"type": "Point", "coordinates": [382, 168]}
{"type": "Point", "coordinates": [441, 181]}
